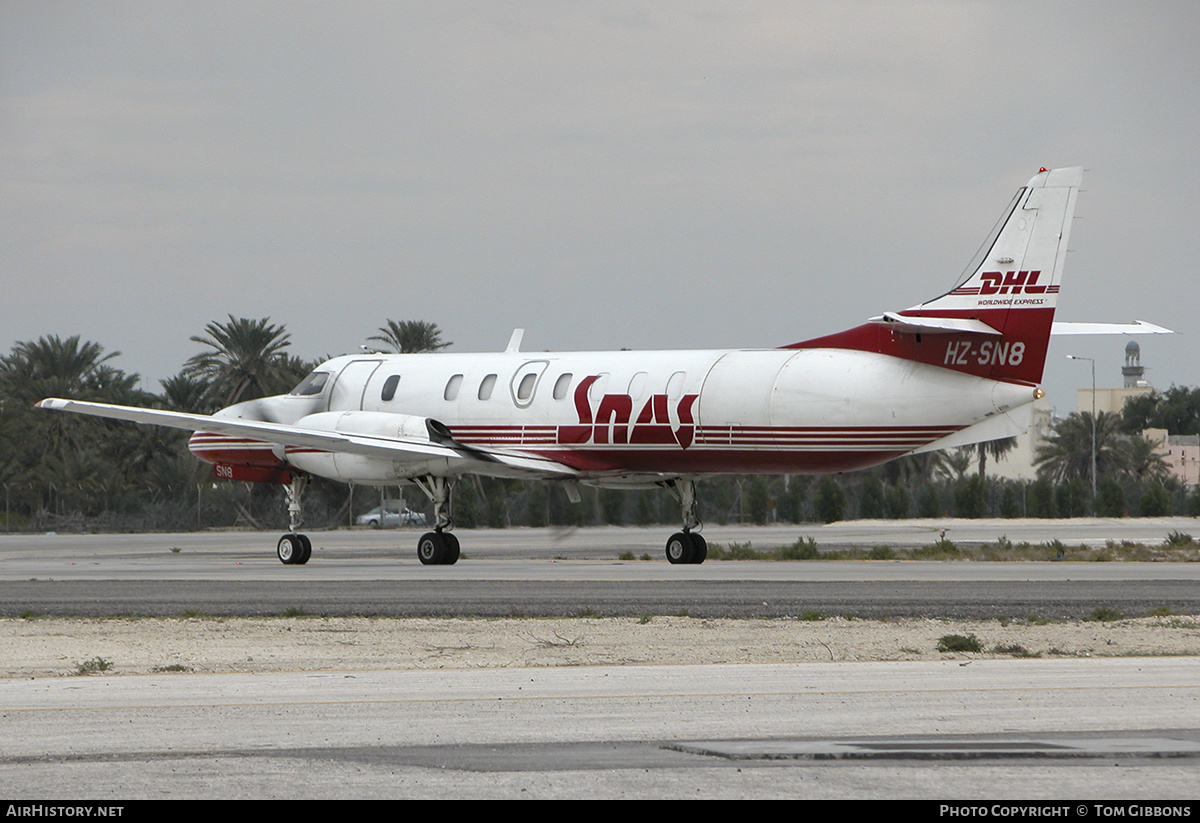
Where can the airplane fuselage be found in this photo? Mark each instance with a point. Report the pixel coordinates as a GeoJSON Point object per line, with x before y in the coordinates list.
{"type": "Point", "coordinates": [633, 416]}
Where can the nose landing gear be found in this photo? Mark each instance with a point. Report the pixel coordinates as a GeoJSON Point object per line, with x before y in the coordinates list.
{"type": "Point", "coordinates": [294, 549]}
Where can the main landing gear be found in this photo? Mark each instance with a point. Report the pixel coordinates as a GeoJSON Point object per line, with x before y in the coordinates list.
{"type": "Point", "coordinates": [294, 549]}
{"type": "Point", "coordinates": [438, 547]}
{"type": "Point", "coordinates": [687, 546]}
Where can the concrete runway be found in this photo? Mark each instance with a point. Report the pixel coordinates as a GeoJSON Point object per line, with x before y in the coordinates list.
{"type": "Point", "coordinates": [1000, 729]}
{"type": "Point", "coordinates": [541, 572]}
{"type": "Point", "coordinates": [608, 542]}
{"type": "Point", "coordinates": [991, 730]}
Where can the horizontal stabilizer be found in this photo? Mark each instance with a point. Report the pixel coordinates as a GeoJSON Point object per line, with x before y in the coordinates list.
{"type": "Point", "coordinates": [933, 325]}
{"type": "Point", "coordinates": [1136, 327]}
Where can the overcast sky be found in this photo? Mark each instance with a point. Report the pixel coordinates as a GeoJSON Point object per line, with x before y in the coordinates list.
{"type": "Point", "coordinates": [604, 174]}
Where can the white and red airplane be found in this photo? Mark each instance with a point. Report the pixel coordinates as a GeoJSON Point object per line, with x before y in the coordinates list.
{"type": "Point", "coordinates": [961, 368]}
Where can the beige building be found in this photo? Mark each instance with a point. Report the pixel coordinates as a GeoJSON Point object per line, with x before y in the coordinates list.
{"type": "Point", "coordinates": [1018, 463]}
{"type": "Point", "coordinates": [1109, 401]}
{"type": "Point", "coordinates": [1181, 453]}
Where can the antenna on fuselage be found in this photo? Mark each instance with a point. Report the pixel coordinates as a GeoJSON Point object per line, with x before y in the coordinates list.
{"type": "Point", "coordinates": [514, 342]}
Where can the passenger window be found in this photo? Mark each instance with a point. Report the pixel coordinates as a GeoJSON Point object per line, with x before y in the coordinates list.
{"type": "Point", "coordinates": [596, 392]}
{"type": "Point", "coordinates": [637, 385]}
{"type": "Point", "coordinates": [524, 382]}
{"type": "Point", "coordinates": [525, 390]}
{"type": "Point", "coordinates": [485, 387]}
{"type": "Point", "coordinates": [675, 385]}
{"type": "Point", "coordinates": [452, 385]}
{"type": "Point", "coordinates": [389, 388]}
{"type": "Point", "coordinates": [561, 385]}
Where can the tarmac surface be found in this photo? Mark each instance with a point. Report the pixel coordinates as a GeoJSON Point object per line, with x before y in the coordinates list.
{"type": "Point", "coordinates": [1009, 729]}
{"type": "Point", "coordinates": [543, 572]}
{"type": "Point", "coordinates": [964, 727]}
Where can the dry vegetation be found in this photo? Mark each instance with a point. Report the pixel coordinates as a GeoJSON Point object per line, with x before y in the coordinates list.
{"type": "Point", "coordinates": [51, 647]}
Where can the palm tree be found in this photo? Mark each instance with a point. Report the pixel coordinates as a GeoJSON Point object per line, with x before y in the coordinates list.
{"type": "Point", "coordinates": [62, 452]}
{"type": "Point", "coordinates": [954, 463]}
{"type": "Point", "coordinates": [187, 393]}
{"type": "Point", "coordinates": [1068, 451]}
{"type": "Point", "coordinates": [246, 360]}
{"type": "Point", "coordinates": [1145, 461]}
{"type": "Point", "coordinates": [925, 467]}
{"type": "Point", "coordinates": [994, 449]}
{"type": "Point", "coordinates": [51, 367]}
{"type": "Point", "coordinates": [410, 336]}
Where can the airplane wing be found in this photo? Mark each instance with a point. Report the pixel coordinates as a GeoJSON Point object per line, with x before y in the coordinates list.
{"type": "Point", "coordinates": [453, 457]}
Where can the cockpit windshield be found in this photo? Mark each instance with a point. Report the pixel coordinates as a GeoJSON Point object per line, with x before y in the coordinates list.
{"type": "Point", "coordinates": [311, 385]}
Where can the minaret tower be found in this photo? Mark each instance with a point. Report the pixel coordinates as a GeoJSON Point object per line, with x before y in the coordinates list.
{"type": "Point", "coordinates": [1133, 370]}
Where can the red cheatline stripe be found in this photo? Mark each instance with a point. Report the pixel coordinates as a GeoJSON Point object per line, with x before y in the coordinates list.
{"type": "Point", "coordinates": [781, 430]}
{"type": "Point", "coordinates": [221, 440]}
{"type": "Point", "coordinates": [790, 438]}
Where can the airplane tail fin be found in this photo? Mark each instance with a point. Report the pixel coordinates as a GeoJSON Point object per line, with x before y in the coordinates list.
{"type": "Point", "coordinates": [995, 323]}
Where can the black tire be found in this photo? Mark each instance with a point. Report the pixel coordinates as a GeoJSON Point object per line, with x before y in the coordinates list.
{"type": "Point", "coordinates": [288, 549]}
{"type": "Point", "coordinates": [431, 549]}
{"type": "Point", "coordinates": [679, 548]}
{"type": "Point", "coordinates": [699, 548]}
{"type": "Point", "coordinates": [451, 549]}
{"type": "Point", "coordinates": [305, 550]}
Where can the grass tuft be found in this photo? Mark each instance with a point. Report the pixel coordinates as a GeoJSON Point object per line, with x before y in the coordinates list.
{"type": "Point", "coordinates": [959, 643]}
{"type": "Point", "coordinates": [96, 664]}
{"type": "Point", "coordinates": [1105, 614]}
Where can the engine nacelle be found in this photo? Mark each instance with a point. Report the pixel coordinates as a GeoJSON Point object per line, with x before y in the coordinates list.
{"type": "Point", "coordinates": [353, 468]}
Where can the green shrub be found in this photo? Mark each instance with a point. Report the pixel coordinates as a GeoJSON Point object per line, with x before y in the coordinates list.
{"type": "Point", "coordinates": [1110, 499]}
{"type": "Point", "coordinates": [830, 501]}
{"type": "Point", "coordinates": [805, 548]}
{"type": "Point", "coordinates": [959, 643]}
{"type": "Point", "coordinates": [96, 664]}
{"type": "Point", "coordinates": [1105, 614]}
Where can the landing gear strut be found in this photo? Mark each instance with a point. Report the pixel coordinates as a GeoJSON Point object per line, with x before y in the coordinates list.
{"type": "Point", "coordinates": [438, 547]}
{"type": "Point", "coordinates": [687, 546]}
{"type": "Point", "coordinates": [294, 549]}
